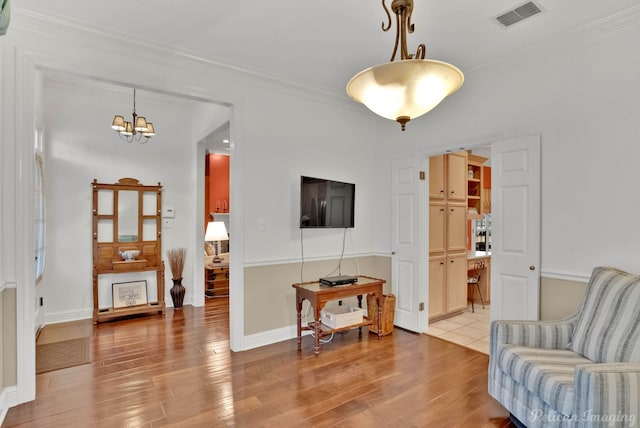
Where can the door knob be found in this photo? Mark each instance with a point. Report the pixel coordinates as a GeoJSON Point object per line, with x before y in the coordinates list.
{"type": "Point", "coordinates": [532, 267]}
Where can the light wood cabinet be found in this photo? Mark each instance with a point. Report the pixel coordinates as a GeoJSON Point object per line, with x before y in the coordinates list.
{"type": "Point", "coordinates": [456, 282]}
{"type": "Point", "coordinates": [126, 218]}
{"type": "Point", "coordinates": [456, 179]}
{"type": "Point", "coordinates": [437, 227]}
{"type": "Point", "coordinates": [437, 186]}
{"type": "Point", "coordinates": [456, 227]}
{"type": "Point", "coordinates": [437, 286]}
{"type": "Point", "coordinates": [447, 234]}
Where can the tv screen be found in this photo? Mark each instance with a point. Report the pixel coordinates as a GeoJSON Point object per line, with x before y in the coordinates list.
{"type": "Point", "coordinates": [326, 203]}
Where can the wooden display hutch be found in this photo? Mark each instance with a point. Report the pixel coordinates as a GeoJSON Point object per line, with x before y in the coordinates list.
{"type": "Point", "coordinates": [127, 217]}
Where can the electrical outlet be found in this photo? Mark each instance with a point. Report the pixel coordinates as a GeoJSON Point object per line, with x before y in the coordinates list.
{"type": "Point", "coordinates": [339, 302]}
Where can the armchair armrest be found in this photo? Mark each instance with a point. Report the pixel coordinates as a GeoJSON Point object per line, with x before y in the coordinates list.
{"type": "Point", "coordinates": [608, 394]}
{"type": "Point", "coordinates": [536, 334]}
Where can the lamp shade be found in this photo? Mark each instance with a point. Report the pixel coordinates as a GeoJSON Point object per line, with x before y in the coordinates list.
{"type": "Point", "coordinates": [128, 129]}
{"type": "Point", "coordinates": [405, 89]}
{"type": "Point", "coordinates": [150, 132]}
{"type": "Point", "coordinates": [216, 231]}
{"type": "Point", "coordinates": [141, 123]}
{"type": "Point", "coordinates": [118, 123]}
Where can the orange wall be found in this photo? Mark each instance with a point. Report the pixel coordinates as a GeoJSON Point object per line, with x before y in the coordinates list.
{"type": "Point", "coordinates": [218, 179]}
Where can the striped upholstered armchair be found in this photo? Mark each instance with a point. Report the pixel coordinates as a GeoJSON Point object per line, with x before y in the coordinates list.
{"type": "Point", "coordinates": [583, 371]}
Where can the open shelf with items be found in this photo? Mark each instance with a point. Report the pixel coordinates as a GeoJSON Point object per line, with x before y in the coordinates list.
{"type": "Point", "coordinates": [127, 239]}
{"type": "Point", "coordinates": [475, 206]}
{"type": "Point", "coordinates": [325, 329]}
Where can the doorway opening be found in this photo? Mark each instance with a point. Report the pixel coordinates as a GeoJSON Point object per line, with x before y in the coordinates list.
{"type": "Point", "coordinates": [460, 247]}
{"type": "Point", "coordinates": [217, 219]}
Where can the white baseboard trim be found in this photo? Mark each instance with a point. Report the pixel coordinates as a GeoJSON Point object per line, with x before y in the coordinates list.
{"type": "Point", "coordinates": [7, 400]}
{"type": "Point", "coordinates": [272, 336]}
{"type": "Point", "coordinates": [54, 318]}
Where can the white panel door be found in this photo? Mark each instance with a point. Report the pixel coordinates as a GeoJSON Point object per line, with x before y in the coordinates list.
{"type": "Point", "coordinates": [409, 243]}
{"type": "Point", "coordinates": [515, 240]}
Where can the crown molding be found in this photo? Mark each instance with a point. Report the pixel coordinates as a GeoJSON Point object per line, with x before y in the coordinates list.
{"type": "Point", "coordinates": [50, 26]}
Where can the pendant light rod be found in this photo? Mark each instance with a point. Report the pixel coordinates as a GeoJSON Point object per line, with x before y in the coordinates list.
{"type": "Point", "coordinates": [403, 10]}
{"type": "Point", "coordinates": [405, 89]}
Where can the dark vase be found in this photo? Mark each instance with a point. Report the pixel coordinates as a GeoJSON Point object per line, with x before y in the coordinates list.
{"type": "Point", "coordinates": [177, 293]}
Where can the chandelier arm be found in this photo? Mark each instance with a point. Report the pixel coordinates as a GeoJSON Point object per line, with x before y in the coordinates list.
{"type": "Point", "coordinates": [407, 12]}
{"type": "Point", "coordinates": [403, 23]}
{"type": "Point", "coordinates": [388, 17]}
{"type": "Point", "coordinates": [422, 50]}
{"type": "Point", "coordinates": [398, 38]}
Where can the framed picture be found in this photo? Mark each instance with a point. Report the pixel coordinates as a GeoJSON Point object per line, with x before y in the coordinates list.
{"type": "Point", "coordinates": [129, 294]}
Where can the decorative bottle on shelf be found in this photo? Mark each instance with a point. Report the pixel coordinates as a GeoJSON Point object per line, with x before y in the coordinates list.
{"type": "Point", "coordinates": [177, 293]}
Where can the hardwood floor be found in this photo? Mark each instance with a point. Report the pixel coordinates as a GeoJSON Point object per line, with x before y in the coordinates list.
{"type": "Point", "coordinates": [177, 371]}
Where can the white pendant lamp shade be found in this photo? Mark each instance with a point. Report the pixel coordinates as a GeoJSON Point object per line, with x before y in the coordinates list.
{"type": "Point", "coordinates": [404, 90]}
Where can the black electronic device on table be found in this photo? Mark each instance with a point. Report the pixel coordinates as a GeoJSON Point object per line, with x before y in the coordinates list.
{"type": "Point", "coordinates": [338, 280]}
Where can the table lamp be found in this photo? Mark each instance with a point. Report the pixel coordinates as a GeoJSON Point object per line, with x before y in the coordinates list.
{"type": "Point", "coordinates": [216, 231]}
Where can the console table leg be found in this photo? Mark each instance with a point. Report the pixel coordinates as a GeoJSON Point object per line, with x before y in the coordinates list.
{"type": "Point", "coordinates": [299, 325]}
{"type": "Point", "coordinates": [316, 330]}
{"type": "Point", "coordinates": [379, 318]}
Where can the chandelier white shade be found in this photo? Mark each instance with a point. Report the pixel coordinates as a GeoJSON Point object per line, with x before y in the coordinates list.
{"type": "Point", "coordinates": [405, 89]}
{"type": "Point", "coordinates": [410, 87]}
{"type": "Point", "coordinates": [138, 129]}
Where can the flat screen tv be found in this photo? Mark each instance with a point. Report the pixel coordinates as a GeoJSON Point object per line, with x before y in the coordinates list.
{"type": "Point", "coordinates": [326, 203]}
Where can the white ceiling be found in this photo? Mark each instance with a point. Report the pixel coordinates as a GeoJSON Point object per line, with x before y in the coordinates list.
{"type": "Point", "coordinates": [324, 43]}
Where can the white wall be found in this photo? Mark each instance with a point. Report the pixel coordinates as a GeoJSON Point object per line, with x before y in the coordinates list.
{"type": "Point", "coordinates": [279, 132]}
{"type": "Point", "coordinates": [581, 93]}
{"type": "Point", "coordinates": [82, 147]}
{"type": "Point", "coordinates": [329, 143]}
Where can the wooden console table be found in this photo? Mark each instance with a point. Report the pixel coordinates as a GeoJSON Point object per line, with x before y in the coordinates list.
{"type": "Point", "coordinates": [216, 280]}
{"type": "Point", "coordinates": [318, 295]}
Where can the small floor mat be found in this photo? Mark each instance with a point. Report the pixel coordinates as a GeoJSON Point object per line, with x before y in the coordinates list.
{"type": "Point", "coordinates": [63, 354]}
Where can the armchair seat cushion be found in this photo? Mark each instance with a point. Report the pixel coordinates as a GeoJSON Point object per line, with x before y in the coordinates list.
{"type": "Point", "coordinates": [547, 373]}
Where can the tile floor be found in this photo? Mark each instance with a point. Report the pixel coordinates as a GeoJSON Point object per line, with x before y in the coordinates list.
{"type": "Point", "coordinates": [467, 329]}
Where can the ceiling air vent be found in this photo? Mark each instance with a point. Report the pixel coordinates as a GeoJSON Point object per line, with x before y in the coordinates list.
{"type": "Point", "coordinates": [518, 14]}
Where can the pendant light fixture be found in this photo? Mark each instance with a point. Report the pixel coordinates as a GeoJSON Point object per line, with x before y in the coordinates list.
{"type": "Point", "coordinates": [138, 129]}
{"type": "Point", "coordinates": [405, 89]}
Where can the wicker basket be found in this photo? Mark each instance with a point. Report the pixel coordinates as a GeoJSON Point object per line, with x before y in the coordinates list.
{"type": "Point", "coordinates": [388, 312]}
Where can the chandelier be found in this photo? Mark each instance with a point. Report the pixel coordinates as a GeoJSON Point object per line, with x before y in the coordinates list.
{"type": "Point", "coordinates": [138, 129]}
{"type": "Point", "coordinates": [408, 88]}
